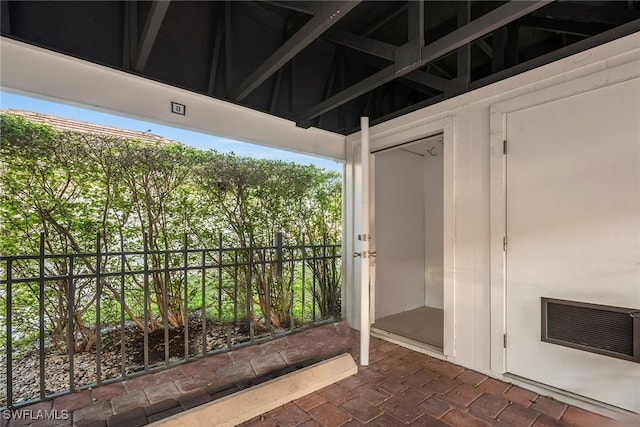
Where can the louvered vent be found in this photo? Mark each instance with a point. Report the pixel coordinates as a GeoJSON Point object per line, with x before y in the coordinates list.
{"type": "Point", "coordinates": [611, 331]}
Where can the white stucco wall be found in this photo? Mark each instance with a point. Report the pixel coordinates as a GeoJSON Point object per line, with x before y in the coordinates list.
{"type": "Point", "coordinates": [400, 261]}
{"type": "Point", "coordinates": [473, 308]}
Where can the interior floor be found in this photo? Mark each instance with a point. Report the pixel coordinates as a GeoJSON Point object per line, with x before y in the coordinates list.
{"type": "Point", "coordinates": [423, 324]}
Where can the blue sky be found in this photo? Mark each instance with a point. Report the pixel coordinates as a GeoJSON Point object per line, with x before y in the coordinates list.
{"type": "Point", "coordinates": [194, 139]}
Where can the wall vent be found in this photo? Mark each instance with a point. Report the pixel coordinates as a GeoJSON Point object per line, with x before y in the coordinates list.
{"type": "Point", "coordinates": [606, 330]}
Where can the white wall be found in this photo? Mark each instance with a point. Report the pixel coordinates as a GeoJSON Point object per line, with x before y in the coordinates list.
{"type": "Point", "coordinates": [434, 230]}
{"type": "Point", "coordinates": [472, 309]}
{"type": "Point", "coordinates": [399, 232]}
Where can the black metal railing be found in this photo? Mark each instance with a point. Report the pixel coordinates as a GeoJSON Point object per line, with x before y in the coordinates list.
{"type": "Point", "coordinates": [91, 312]}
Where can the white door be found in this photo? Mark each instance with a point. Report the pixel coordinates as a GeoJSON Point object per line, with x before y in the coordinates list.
{"type": "Point", "coordinates": [364, 242]}
{"type": "Point", "coordinates": [573, 229]}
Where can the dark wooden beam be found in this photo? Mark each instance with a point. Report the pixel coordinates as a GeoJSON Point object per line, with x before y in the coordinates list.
{"type": "Point", "coordinates": [474, 30]}
{"type": "Point", "coordinates": [217, 47]}
{"type": "Point", "coordinates": [150, 32]}
{"type": "Point", "coordinates": [331, 13]}
{"type": "Point", "coordinates": [5, 14]}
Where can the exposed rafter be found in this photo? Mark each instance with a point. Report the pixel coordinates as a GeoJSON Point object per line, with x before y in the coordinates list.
{"type": "Point", "coordinates": [330, 14]}
{"type": "Point", "coordinates": [217, 45]}
{"type": "Point", "coordinates": [560, 26]}
{"type": "Point", "coordinates": [384, 51]}
{"type": "Point", "coordinates": [463, 35]}
{"type": "Point", "coordinates": [308, 7]}
{"type": "Point", "coordinates": [394, 56]}
{"type": "Point", "coordinates": [361, 43]}
{"type": "Point", "coordinates": [6, 17]}
{"type": "Point", "coordinates": [150, 32]}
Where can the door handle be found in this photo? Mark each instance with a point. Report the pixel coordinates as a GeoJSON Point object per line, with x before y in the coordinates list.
{"type": "Point", "coordinates": [364, 254]}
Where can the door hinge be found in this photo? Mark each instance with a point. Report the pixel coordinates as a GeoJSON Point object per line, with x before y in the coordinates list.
{"type": "Point", "coordinates": [504, 243]}
{"type": "Point", "coordinates": [504, 340]}
{"type": "Point", "coordinates": [504, 147]}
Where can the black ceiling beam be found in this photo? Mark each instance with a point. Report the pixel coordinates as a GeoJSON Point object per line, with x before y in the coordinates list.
{"type": "Point", "coordinates": [466, 34]}
{"type": "Point", "coordinates": [577, 47]}
{"type": "Point", "coordinates": [218, 19]}
{"type": "Point", "coordinates": [308, 7]}
{"type": "Point", "coordinates": [589, 13]}
{"type": "Point", "coordinates": [382, 50]}
{"type": "Point", "coordinates": [331, 13]}
{"type": "Point", "coordinates": [130, 36]}
{"type": "Point", "coordinates": [361, 43]}
{"type": "Point", "coordinates": [560, 26]}
{"type": "Point", "coordinates": [151, 28]}
{"type": "Point", "coordinates": [5, 15]}
{"type": "Point", "coordinates": [386, 17]}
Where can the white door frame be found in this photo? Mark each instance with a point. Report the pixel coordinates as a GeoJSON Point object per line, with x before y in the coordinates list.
{"type": "Point", "coordinates": [498, 115]}
{"type": "Point", "coordinates": [444, 125]}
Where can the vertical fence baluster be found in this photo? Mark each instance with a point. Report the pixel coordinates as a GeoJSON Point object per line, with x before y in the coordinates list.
{"type": "Point", "coordinates": [146, 300]}
{"type": "Point", "coordinates": [165, 306]}
{"type": "Point", "coordinates": [334, 282]}
{"type": "Point", "coordinates": [313, 275]}
{"type": "Point", "coordinates": [249, 289]}
{"type": "Point", "coordinates": [292, 282]}
{"type": "Point", "coordinates": [70, 331]}
{"type": "Point", "coordinates": [304, 268]}
{"type": "Point", "coordinates": [9, 327]}
{"type": "Point", "coordinates": [123, 264]}
{"type": "Point", "coordinates": [235, 286]}
{"type": "Point", "coordinates": [326, 286]}
{"type": "Point", "coordinates": [98, 320]}
{"type": "Point", "coordinates": [220, 277]}
{"type": "Point", "coordinates": [41, 316]}
{"type": "Point", "coordinates": [204, 303]}
{"type": "Point", "coordinates": [186, 299]}
{"type": "Point", "coordinates": [267, 291]}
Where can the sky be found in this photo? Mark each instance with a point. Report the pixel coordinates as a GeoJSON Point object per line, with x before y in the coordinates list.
{"type": "Point", "coordinates": [195, 139]}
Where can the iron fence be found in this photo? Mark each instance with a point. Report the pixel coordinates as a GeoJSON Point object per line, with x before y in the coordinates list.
{"type": "Point", "coordinates": [178, 304]}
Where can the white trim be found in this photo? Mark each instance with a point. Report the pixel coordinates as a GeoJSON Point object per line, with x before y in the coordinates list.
{"type": "Point", "coordinates": [445, 125]}
{"type": "Point", "coordinates": [46, 74]}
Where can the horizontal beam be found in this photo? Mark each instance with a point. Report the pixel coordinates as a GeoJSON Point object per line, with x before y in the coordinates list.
{"type": "Point", "coordinates": [428, 80]}
{"type": "Point", "coordinates": [331, 13]}
{"type": "Point", "coordinates": [150, 32]}
{"type": "Point", "coordinates": [420, 79]}
{"type": "Point", "coordinates": [572, 49]}
{"type": "Point", "coordinates": [308, 7]}
{"type": "Point", "coordinates": [463, 35]}
{"type": "Point", "coordinates": [360, 43]}
{"type": "Point", "coordinates": [560, 26]}
{"type": "Point", "coordinates": [479, 27]}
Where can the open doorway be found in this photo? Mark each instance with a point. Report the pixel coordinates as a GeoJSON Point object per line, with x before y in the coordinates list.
{"type": "Point", "coordinates": [409, 241]}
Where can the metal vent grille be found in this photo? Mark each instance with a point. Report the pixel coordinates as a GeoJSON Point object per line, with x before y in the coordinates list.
{"type": "Point", "coordinates": [611, 331]}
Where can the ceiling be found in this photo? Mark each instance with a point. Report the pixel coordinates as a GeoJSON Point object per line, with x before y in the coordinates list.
{"type": "Point", "coordinates": [321, 63]}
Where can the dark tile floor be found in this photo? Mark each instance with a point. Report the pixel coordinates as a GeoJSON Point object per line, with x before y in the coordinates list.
{"type": "Point", "coordinates": [399, 387]}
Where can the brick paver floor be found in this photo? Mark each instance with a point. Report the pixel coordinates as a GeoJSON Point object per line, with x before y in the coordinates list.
{"type": "Point", "coordinates": [399, 387]}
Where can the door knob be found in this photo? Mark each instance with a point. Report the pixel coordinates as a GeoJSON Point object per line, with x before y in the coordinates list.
{"type": "Point", "coordinates": [356, 254]}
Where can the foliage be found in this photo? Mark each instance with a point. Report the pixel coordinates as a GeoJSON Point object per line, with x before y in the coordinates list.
{"type": "Point", "coordinates": [92, 192]}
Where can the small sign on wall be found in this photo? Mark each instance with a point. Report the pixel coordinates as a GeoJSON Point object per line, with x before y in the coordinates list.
{"type": "Point", "coordinates": [177, 108]}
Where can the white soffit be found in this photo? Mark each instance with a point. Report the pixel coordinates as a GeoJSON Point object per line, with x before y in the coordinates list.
{"type": "Point", "coordinates": [37, 71]}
